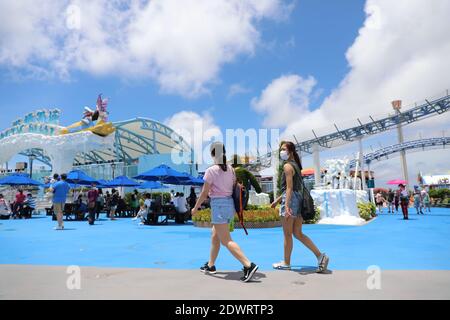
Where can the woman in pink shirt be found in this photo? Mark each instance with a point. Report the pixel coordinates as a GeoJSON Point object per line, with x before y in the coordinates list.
{"type": "Point", "coordinates": [219, 183]}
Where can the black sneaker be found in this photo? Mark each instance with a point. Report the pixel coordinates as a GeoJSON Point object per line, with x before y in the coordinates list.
{"type": "Point", "coordinates": [249, 272]}
{"type": "Point", "coordinates": [208, 269]}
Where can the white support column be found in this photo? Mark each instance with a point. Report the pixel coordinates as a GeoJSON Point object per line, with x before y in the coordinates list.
{"type": "Point", "coordinates": [361, 161]}
{"type": "Point", "coordinates": [371, 197]}
{"type": "Point", "coordinates": [397, 105]}
{"type": "Point", "coordinates": [317, 174]}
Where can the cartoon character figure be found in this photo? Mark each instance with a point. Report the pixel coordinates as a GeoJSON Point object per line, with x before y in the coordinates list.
{"type": "Point", "coordinates": [102, 105]}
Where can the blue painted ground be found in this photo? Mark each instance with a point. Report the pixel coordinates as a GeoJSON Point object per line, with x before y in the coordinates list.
{"type": "Point", "coordinates": [422, 243]}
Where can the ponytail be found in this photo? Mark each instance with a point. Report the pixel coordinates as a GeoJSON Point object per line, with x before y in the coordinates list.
{"type": "Point", "coordinates": [291, 148]}
{"type": "Point", "coordinates": [220, 148]}
{"type": "Point", "coordinates": [297, 160]}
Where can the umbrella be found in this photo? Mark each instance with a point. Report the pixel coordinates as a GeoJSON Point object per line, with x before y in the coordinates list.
{"type": "Point", "coordinates": [122, 181]}
{"type": "Point", "coordinates": [19, 180]}
{"type": "Point", "coordinates": [164, 174]}
{"type": "Point", "coordinates": [152, 185]}
{"type": "Point", "coordinates": [397, 182]}
{"type": "Point", "coordinates": [78, 177]}
{"type": "Point", "coordinates": [198, 181]}
{"type": "Point", "coordinates": [103, 184]}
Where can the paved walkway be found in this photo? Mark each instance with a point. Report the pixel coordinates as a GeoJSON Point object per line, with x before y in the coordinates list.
{"type": "Point", "coordinates": [38, 282]}
{"type": "Point", "coordinates": [120, 259]}
{"type": "Point", "coordinates": [422, 243]}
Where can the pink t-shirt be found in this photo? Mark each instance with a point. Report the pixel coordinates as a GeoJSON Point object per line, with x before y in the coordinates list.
{"type": "Point", "coordinates": [221, 182]}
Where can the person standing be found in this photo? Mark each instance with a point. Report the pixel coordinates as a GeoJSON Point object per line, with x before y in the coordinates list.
{"type": "Point", "coordinates": [60, 190]}
{"type": "Point", "coordinates": [391, 196]}
{"type": "Point", "coordinates": [418, 204]}
{"type": "Point", "coordinates": [100, 203]}
{"type": "Point", "coordinates": [426, 200]}
{"type": "Point", "coordinates": [92, 196]}
{"type": "Point", "coordinates": [397, 199]}
{"type": "Point", "coordinates": [114, 203]}
{"type": "Point", "coordinates": [404, 200]}
{"type": "Point", "coordinates": [290, 210]}
{"type": "Point", "coordinates": [219, 185]}
{"type": "Point", "coordinates": [192, 199]}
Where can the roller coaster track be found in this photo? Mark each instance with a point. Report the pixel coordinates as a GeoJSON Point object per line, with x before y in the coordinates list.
{"type": "Point", "coordinates": [384, 153]}
{"type": "Point", "coordinates": [421, 112]}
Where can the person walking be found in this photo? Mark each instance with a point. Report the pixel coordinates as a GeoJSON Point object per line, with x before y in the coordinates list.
{"type": "Point", "coordinates": [391, 196]}
{"type": "Point", "coordinates": [219, 185]}
{"type": "Point", "coordinates": [290, 210]}
{"type": "Point", "coordinates": [60, 190]}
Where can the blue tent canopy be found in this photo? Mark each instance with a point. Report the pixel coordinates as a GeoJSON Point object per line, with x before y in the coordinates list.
{"type": "Point", "coordinates": [19, 180]}
{"type": "Point", "coordinates": [80, 178]}
{"type": "Point", "coordinates": [152, 185]}
{"type": "Point", "coordinates": [164, 174]}
{"type": "Point", "coordinates": [122, 181]}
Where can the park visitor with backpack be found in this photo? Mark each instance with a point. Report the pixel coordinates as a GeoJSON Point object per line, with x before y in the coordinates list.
{"type": "Point", "coordinates": [219, 185]}
{"type": "Point", "coordinates": [291, 200]}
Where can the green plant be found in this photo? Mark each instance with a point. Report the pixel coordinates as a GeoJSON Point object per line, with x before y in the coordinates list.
{"type": "Point", "coordinates": [315, 219]}
{"type": "Point", "coordinates": [260, 215]}
{"type": "Point", "coordinates": [367, 210]}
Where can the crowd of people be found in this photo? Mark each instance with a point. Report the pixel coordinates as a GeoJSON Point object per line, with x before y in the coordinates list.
{"type": "Point", "coordinates": [419, 199]}
{"type": "Point", "coordinates": [18, 206]}
{"type": "Point", "coordinates": [92, 201]}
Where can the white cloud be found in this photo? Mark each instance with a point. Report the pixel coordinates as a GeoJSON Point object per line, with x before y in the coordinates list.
{"type": "Point", "coordinates": [180, 44]}
{"type": "Point", "coordinates": [193, 126]}
{"type": "Point", "coordinates": [284, 99]}
{"type": "Point", "coordinates": [400, 53]}
{"type": "Point", "coordinates": [236, 89]}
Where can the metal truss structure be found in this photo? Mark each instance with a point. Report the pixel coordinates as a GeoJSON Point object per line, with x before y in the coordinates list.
{"type": "Point", "coordinates": [421, 112]}
{"type": "Point", "coordinates": [384, 153]}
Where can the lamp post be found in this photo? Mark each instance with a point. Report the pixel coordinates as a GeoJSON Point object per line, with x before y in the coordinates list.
{"type": "Point", "coordinates": [32, 157]}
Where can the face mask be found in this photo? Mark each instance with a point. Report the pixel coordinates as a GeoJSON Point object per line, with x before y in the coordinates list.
{"type": "Point", "coordinates": [284, 155]}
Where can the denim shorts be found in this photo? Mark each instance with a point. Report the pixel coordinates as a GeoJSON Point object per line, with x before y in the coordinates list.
{"type": "Point", "coordinates": [222, 210]}
{"type": "Point", "coordinates": [294, 205]}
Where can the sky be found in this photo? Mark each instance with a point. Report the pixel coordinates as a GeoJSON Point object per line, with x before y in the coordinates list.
{"type": "Point", "coordinates": [252, 64]}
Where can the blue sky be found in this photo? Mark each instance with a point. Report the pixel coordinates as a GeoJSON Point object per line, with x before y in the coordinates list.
{"type": "Point", "coordinates": [294, 65]}
{"type": "Point", "coordinates": [312, 41]}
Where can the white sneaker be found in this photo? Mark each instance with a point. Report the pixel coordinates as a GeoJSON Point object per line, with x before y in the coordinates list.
{"type": "Point", "coordinates": [281, 266]}
{"type": "Point", "coordinates": [322, 263]}
{"type": "Point", "coordinates": [59, 228]}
